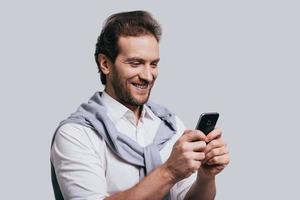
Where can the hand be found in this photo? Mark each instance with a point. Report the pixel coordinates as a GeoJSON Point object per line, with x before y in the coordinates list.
{"type": "Point", "coordinates": [216, 155]}
{"type": "Point", "coordinates": [187, 155]}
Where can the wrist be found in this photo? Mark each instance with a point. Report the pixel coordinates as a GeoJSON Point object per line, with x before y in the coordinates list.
{"type": "Point", "coordinates": [167, 174]}
{"type": "Point", "coordinates": [204, 178]}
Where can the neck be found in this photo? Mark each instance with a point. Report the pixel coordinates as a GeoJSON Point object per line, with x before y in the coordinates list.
{"type": "Point", "coordinates": [137, 110]}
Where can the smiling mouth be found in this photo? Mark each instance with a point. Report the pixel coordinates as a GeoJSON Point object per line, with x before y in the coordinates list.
{"type": "Point", "coordinates": [140, 86]}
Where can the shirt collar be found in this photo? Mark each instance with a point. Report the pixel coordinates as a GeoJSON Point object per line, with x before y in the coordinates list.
{"type": "Point", "coordinates": [116, 110]}
{"type": "Point", "coordinates": [147, 112]}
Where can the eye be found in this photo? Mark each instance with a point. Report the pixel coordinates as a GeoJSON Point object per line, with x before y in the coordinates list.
{"type": "Point", "coordinates": [154, 64]}
{"type": "Point", "coordinates": [135, 64]}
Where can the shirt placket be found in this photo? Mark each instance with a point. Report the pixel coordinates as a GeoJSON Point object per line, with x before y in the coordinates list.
{"type": "Point", "coordinates": [139, 134]}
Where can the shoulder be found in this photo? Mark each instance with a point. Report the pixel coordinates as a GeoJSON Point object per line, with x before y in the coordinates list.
{"type": "Point", "coordinates": [73, 130]}
{"type": "Point", "coordinates": [75, 137]}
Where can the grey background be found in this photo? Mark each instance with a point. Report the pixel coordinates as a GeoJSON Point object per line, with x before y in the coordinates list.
{"type": "Point", "coordinates": [239, 58]}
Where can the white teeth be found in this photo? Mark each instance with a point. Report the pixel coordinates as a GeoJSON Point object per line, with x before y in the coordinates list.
{"type": "Point", "coordinates": [140, 85]}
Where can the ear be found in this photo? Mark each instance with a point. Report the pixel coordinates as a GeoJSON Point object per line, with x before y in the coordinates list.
{"type": "Point", "coordinates": [105, 64]}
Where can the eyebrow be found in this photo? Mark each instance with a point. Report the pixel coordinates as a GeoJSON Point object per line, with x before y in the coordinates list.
{"type": "Point", "coordinates": [132, 59]}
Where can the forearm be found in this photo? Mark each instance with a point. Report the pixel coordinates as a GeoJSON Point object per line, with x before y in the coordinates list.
{"type": "Point", "coordinates": [202, 189]}
{"type": "Point", "coordinates": [154, 186]}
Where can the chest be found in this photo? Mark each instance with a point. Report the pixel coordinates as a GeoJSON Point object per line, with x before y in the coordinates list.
{"type": "Point", "coordinates": [121, 175]}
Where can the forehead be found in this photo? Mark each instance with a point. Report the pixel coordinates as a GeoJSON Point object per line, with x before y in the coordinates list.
{"type": "Point", "coordinates": [145, 47]}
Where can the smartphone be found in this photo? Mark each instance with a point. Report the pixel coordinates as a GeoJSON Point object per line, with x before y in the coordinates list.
{"type": "Point", "coordinates": [207, 122]}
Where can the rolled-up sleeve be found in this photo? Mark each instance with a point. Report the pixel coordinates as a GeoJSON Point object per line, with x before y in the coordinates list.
{"type": "Point", "coordinates": [180, 189]}
{"type": "Point", "coordinates": [79, 163]}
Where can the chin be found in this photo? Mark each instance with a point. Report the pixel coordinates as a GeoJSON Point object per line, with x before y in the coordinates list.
{"type": "Point", "coordinates": [141, 100]}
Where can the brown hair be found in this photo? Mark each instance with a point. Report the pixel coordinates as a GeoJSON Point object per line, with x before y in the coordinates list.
{"type": "Point", "coordinates": [134, 23]}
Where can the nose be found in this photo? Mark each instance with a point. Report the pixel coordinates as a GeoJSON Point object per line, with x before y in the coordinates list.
{"type": "Point", "coordinates": [147, 74]}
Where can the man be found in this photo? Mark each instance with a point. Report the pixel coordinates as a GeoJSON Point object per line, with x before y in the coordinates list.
{"type": "Point", "coordinates": [119, 145]}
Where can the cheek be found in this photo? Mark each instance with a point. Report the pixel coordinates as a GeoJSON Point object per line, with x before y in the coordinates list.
{"type": "Point", "coordinates": [125, 73]}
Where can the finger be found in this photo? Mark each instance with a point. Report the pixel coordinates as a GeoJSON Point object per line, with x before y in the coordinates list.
{"type": "Point", "coordinates": [217, 143]}
{"type": "Point", "coordinates": [216, 152]}
{"type": "Point", "coordinates": [216, 133]}
{"type": "Point", "coordinates": [219, 160]}
{"type": "Point", "coordinates": [197, 146]}
{"type": "Point", "coordinates": [198, 156]}
{"type": "Point", "coordinates": [195, 156]}
{"type": "Point", "coordinates": [194, 165]}
{"type": "Point", "coordinates": [193, 135]}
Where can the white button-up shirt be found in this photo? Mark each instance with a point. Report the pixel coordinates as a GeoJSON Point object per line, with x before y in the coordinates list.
{"type": "Point", "coordinates": [87, 169]}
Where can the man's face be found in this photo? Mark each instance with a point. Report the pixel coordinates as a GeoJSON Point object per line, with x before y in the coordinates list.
{"type": "Point", "coordinates": [135, 69]}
